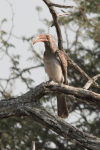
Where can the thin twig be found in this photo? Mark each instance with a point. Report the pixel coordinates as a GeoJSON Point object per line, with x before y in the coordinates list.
{"type": "Point", "coordinates": [67, 41]}
{"type": "Point", "coordinates": [91, 81]}
{"type": "Point", "coordinates": [58, 5]}
{"type": "Point", "coordinates": [63, 14]}
{"type": "Point", "coordinates": [60, 15]}
{"type": "Point", "coordinates": [12, 20]}
{"type": "Point", "coordinates": [77, 36]}
{"type": "Point", "coordinates": [20, 73]}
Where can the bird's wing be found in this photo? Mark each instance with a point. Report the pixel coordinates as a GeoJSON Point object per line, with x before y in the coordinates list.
{"type": "Point", "coordinates": [63, 61]}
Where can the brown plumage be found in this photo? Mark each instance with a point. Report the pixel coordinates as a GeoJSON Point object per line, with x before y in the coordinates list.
{"type": "Point", "coordinates": [55, 65]}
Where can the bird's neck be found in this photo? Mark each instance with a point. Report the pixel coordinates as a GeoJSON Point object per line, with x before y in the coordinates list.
{"type": "Point", "coordinates": [50, 48]}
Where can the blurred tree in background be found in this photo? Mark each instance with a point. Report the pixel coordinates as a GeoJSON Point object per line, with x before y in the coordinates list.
{"type": "Point", "coordinates": [84, 49]}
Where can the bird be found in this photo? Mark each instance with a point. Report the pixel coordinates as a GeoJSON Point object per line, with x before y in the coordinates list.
{"type": "Point", "coordinates": [55, 64]}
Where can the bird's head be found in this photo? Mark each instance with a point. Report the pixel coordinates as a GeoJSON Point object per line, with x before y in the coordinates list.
{"type": "Point", "coordinates": [48, 40]}
{"type": "Point", "coordinates": [40, 38]}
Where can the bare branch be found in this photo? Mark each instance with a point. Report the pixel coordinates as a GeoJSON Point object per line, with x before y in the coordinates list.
{"type": "Point", "coordinates": [58, 5]}
{"type": "Point", "coordinates": [71, 62]}
{"type": "Point", "coordinates": [77, 36]}
{"type": "Point", "coordinates": [44, 89]}
{"type": "Point", "coordinates": [60, 15]}
{"type": "Point", "coordinates": [55, 20]}
{"type": "Point", "coordinates": [67, 40]}
{"type": "Point", "coordinates": [91, 81]}
{"type": "Point", "coordinates": [21, 72]}
{"type": "Point", "coordinates": [27, 105]}
{"type": "Point", "coordinates": [55, 123]}
{"type": "Point", "coordinates": [62, 128]}
{"type": "Point", "coordinates": [63, 14]}
{"type": "Point", "coordinates": [12, 20]}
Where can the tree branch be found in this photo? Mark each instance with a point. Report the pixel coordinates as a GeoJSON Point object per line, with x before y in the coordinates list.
{"type": "Point", "coordinates": [60, 6]}
{"type": "Point", "coordinates": [38, 92]}
{"type": "Point", "coordinates": [62, 128]}
{"type": "Point", "coordinates": [21, 72]}
{"type": "Point", "coordinates": [58, 125]}
{"type": "Point", "coordinates": [71, 62]}
{"type": "Point", "coordinates": [62, 14]}
{"type": "Point", "coordinates": [55, 20]}
{"type": "Point", "coordinates": [28, 105]}
{"type": "Point", "coordinates": [91, 81]}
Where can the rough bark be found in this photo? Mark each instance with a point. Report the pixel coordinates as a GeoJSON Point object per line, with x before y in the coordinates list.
{"type": "Point", "coordinates": [38, 92]}
{"type": "Point", "coordinates": [28, 105]}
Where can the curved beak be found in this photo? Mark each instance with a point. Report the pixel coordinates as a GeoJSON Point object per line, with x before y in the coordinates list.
{"type": "Point", "coordinates": [34, 42]}
{"type": "Point", "coordinates": [40, 38]}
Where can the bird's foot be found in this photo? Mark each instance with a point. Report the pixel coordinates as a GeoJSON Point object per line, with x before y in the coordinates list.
{"type": "Point", "coordinates": [49, 81]}
{"type": "Point", "coordinates": [60, 84]}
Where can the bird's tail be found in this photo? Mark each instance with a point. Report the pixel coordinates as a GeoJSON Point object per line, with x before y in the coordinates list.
{"type": "Point", "coordinates": [62, 106]}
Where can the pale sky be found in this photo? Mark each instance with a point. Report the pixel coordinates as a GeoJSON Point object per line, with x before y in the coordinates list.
{"type": "Point", "coordinates": [26, 23]}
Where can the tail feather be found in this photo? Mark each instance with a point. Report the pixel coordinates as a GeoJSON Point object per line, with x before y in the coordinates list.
{"type": "Point", "coordinates": [62, 106]}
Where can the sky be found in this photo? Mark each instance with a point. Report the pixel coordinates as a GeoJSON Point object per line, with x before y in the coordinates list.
{"type": "Point", "coordinates": [26, 23]}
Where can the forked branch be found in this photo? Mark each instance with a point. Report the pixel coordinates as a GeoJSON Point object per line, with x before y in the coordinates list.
{"type": "Point", "coordinates": [38, 92]}
{"type": "Point", "coordinates": [91, 81]}
{"type": "Point", "coordinates": [60, 40]}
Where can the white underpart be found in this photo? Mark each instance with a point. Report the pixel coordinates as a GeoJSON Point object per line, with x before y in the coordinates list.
{"type": "Point", "coordinates": [54, 70]}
